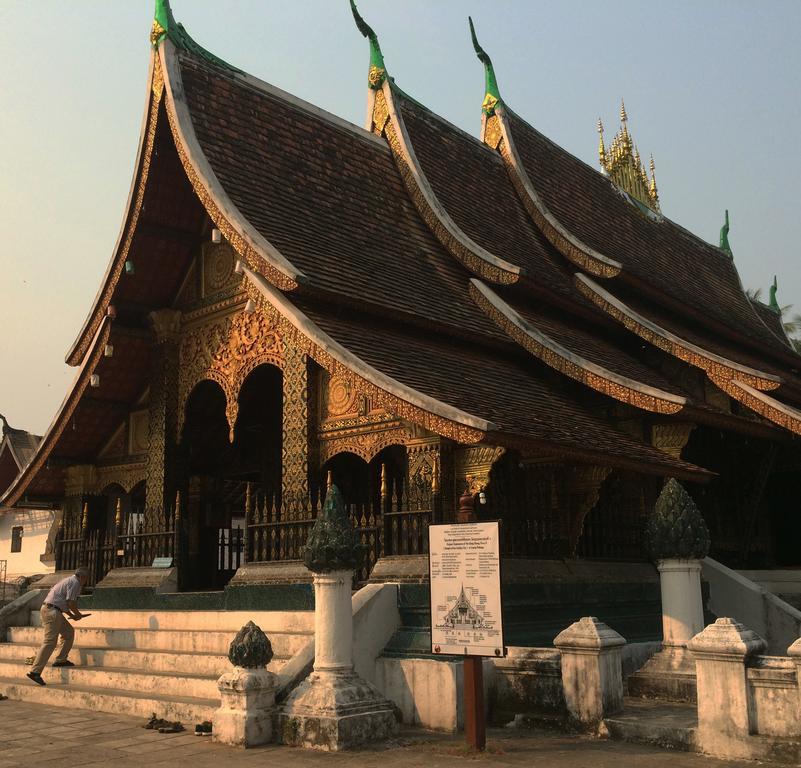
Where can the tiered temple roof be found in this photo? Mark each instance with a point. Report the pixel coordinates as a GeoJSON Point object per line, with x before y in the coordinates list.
{"type": "Point", "coordinates": [491, 290]}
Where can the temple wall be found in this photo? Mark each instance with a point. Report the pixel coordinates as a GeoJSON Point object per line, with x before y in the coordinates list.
{"type": "Point", "coordinates": [36, 527]}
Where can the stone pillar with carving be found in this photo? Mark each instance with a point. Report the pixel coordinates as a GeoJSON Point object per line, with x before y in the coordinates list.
{"type": "Point", "coordinates": [677, 539]}
{"type": "Point", "coordinates": [162, 416]}
{"type": "Point", "coordinates": [245, 717]}
{"type": "Point", "coordinates": [296, 431]}
{"type": "Point", "coordinates": [334, 708]}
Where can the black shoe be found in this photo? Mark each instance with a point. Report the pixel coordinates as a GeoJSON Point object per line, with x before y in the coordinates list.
{"type": "Point", "coordinates": [36, 677]}
{"type": "Point", "coordinates": [65, 663]}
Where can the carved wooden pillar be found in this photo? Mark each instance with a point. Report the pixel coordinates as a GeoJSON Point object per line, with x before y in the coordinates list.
{"type": "Point", "coordinates": [581, 488]}
{"type": "Point", "coordinates": [163, 417]}
{"type": "Point", "coordinates": [295, 437]}
{"type": "Point", "coordinates": [672, 437]}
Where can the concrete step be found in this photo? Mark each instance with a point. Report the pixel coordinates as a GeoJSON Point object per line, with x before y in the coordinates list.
{"type": "Point", "coordinates": [193, 686]}
{"type": "Point", "coordinates": [227, 621]}
{"type": "Point", "coordinates": [194, 641]}
{"type": "Point", "coordinates": [203, 664]}
{"type": "Point", "coordinates": [667, 725]}
{"type": "Point", "coordinates": [187, 710]}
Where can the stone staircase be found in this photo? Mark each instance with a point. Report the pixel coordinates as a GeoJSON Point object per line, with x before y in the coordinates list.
{"type": "Point", "coordinates": [138, 662]}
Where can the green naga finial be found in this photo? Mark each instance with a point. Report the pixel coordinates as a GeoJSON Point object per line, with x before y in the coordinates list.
{"type": "Point", "coordinates": [493, 96]}
{"type": "Point", "coordinates": [773, 304]}
{"type": "Point", "coordinates": [724, 237]}
{"type": "Point", "coordinates": [163, 21]}
{"type": "Point", "coordinates": [165, 25]}
{"type": "Point", "coordinates": [378, 72]}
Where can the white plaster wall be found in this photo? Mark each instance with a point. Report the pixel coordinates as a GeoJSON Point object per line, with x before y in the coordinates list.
{"type": "Point", "coordinates": [36, 525]}
{"type": "Point", "coordinates": [428, 692]}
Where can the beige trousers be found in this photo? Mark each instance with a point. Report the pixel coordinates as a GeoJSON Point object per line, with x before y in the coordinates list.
{"type": "Point", "coordinates": [54, 624]}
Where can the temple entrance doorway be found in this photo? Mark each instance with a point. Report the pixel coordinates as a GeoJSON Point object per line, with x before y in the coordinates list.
{"type": "Point", "coordinates": [218, 472]}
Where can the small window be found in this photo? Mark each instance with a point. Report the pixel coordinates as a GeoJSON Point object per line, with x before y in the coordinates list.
{"type": "Point", "coordinates": [16, 538]}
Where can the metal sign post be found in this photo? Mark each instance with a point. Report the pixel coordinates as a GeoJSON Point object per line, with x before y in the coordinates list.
{"type": "Point", "coordinates": [466, 615]}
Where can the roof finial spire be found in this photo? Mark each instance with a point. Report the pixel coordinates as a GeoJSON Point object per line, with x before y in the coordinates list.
{"type": "Point", "coordinates": [624, 118]}
{"type": "Point", "coordinates": [653, 190]}
{"type": "Point", "coordinates": [163, 21]}
{"type": "Point", "coordinates": [724, 237]}
{"type": "Point", "coordinates": [378, 71]}
{"type": "Point", "coordinates": [492, 95]}
{"type": "Point", "coordinates": [601, 147]}
{"type": "Point", "coordinates": [773, 303]}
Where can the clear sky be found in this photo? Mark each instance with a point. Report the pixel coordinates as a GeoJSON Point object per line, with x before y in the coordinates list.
{"type": "Point", "coordinates": [712, 89]}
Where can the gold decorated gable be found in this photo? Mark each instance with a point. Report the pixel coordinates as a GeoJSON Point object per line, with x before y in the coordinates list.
{"type": "Point", "coordinates": [351, 423]}
{"type": "Point", "coordinates": [226, 350]}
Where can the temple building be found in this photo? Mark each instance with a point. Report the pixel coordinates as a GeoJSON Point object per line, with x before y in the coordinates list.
{"type": "Point", "coordinates": [27, 531]}
{"type": "Point", "coordinates": [410, 312]}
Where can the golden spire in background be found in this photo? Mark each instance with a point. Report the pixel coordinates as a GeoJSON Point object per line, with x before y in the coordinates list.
{"type": "Point", "coordinates": [622, 162]}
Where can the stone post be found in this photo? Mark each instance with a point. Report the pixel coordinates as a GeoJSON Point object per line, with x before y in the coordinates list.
{"type": "Point", "coordinates": [334, 708]}
{"type": "Point", "coordinates": [682, 607]}
{"type": "Point", "coordinates": [720, 653]}
{"type": "Point", "coordinates": [245, 718]}
{"type": "Point", "coordinates": [592, 672]}
{"type": "Point", "coordinates": [794, 652]}
{"type": "Point", "coordinates": [678, 539]}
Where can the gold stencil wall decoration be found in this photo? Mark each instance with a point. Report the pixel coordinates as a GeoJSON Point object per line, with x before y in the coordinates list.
{"type": "Point", "coordinates": [378, 397]}
{"type": "Point", "coordinates": [296, 432]}
{"type": "Point", "coordinates": [125, 475]}
{"type": "Point", "coordinates": [342, 398]}
{"type": "Point", "coordinates": [226, 350]}
{"type": "Point", "coordinates": [138, 432]}
{"type": "Point", "coordinates": [219, 275]}
{"type": "Point", "coordinates": [365, 444]}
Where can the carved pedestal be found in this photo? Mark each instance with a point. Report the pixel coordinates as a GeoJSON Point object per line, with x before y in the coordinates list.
{"type": "Point", "coordinates": [248, 700]}
{"type": "Point", "coordinates": [334, 708]}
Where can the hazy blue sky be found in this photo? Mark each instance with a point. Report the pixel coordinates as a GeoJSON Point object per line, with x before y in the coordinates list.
{"type": "Point", "coordinates": [712, 88]}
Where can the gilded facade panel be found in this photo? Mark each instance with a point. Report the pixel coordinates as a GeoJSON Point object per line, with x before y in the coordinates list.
{"type": "Point", "coordinates": [226, 350]}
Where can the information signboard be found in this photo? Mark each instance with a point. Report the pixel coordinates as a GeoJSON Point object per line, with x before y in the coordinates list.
{"type": "Point", "coordinates": [162, 562]}
{"type": "Point", "coordinates": [465, 577]}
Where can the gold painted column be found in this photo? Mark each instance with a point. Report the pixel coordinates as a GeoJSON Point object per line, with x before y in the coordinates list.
{"type": "Point", "coordinates": [163, 417]}
{"type": "Point", "coordinates": [297, 412]}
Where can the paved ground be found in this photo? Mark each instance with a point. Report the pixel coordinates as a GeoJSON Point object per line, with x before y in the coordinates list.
{"type": "Point", "coordinates": [38, 736]}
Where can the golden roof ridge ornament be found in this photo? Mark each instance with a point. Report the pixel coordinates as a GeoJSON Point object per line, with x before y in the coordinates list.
{"type": "Point", "coordinates": [622, 163]}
